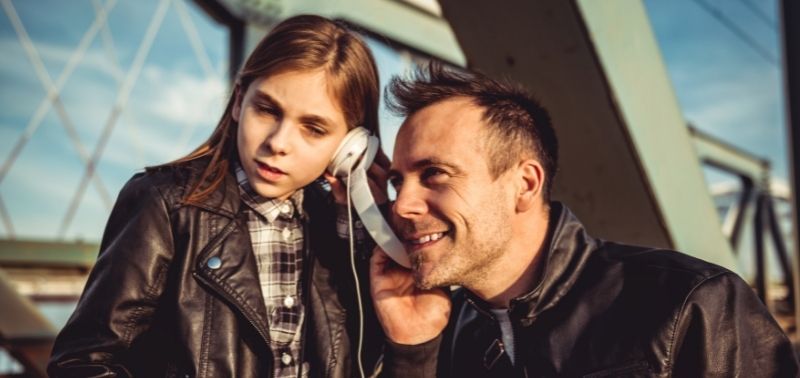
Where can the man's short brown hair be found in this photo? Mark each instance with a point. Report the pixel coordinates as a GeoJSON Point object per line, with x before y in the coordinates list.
{"type": "Point", "coordinates": [517, 125]}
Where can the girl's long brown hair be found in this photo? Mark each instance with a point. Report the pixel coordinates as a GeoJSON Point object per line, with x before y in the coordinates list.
{"type": "Point", "coordinates": [297, 44]}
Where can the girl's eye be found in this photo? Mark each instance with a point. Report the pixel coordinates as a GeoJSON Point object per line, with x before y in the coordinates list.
{"type": "Point", "coordinates": [266, 109]}
{"type": "Point", "coordinates": [316, 130]}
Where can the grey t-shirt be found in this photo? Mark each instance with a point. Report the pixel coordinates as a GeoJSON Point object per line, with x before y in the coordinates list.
{"type": "Point", "coordinates": [505, 328]}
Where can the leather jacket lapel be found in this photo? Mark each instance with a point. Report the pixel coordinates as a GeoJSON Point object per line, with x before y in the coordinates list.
{"type": "Point", "coordinates": [568, 247]}
{"type": "Point", "coordinates": [227, 265]}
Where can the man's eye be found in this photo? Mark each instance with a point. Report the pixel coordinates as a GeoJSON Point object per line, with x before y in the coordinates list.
{"type": "Point", "coordinates": [395, 182]}
{"type": "Point", "coordinates": [433, 173]}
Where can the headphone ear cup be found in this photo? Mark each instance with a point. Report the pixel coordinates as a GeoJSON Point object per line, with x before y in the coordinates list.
{"type": "Point", "coordinates": [348, 160]}
{"type": "Point", "coordinates": [349, 151]}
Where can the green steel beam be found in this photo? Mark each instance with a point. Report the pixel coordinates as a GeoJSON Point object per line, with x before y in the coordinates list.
{"type": "Point", "coordinates": [24, 332]}
{"type": "Point", "coordinates": [628, 167]}
{"type": "Point", "coordinates": [721, 154]}
{"type": "Point", "coordinates": [20, 318]}
{"type": "Point", "coordinates": [399, 21]}
{"type": "Point", "coordinates": [648, 107]}
{"type": "Point", "coordinates": [47, 254]}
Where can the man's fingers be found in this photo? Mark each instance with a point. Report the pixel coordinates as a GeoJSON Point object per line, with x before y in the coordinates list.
{"type": "Point", "coordinates": [378, 172]}
{"type": "Point", "coordinates": [378, 192]}
{"type": "Point", "coordinates": [382, 276]}
{"type": "Point", "coordinates": [382, 160]}
{"type": "Point", "coordinates": [383, 263]}
{"type": "Point", "coordinates": [378, 261]}
{"type": "Point", "coordinates": [338, 188]}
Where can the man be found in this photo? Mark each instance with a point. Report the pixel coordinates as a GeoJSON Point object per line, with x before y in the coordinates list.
{"type": "Point", "coordinates": [473, 167]}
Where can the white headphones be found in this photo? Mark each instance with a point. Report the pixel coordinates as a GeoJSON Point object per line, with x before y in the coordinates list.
{"type": "Point", "coordinates": [353, 158]}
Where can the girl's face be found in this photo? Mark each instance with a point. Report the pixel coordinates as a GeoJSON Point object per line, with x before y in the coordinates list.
{"type": "Point", "coordinates": [289, 128]}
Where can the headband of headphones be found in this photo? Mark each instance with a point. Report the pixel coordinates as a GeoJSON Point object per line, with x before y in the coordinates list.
{"type": "Point", "coordinates": [348, 161]}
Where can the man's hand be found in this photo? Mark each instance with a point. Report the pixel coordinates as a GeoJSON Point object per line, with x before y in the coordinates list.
{"type": "Point", "coordinates": [376, 178]}
{"type": "Point", "coordinates": [407, 314]}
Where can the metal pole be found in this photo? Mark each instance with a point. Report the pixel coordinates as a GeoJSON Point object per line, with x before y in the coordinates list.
{"type": "Point", "coordinates": [780, 248]}
{"type": "Point", "coordinates": [790, 25]}
{"type": "Point", "coordinates": [236, 43]}
{"type": "Point", "coordinates": [744, 200]}
{"type": "Point", "coordinates": [236, 52]}
{"type": "Point", "coordinates": [758, 229]}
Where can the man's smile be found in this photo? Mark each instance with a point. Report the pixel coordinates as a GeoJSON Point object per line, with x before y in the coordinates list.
{"type": "Point", "coordinates": [419, 241]}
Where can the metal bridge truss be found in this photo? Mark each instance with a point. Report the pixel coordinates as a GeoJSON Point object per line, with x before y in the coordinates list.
{"type": "Point", "coordinates": [126, 81]}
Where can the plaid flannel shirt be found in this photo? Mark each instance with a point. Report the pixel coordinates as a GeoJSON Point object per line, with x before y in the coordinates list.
{"type": "Point", "coordinates": [276, 233]}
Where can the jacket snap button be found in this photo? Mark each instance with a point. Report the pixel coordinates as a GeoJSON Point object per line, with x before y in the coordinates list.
{"type": "Point", "coordinates": [214, 262]}
{"type": "Point", "coordinates": [286, 359]}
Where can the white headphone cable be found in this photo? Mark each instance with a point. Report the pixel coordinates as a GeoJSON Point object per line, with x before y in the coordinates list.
{"type": "Point", "coordinates": [355, 278]}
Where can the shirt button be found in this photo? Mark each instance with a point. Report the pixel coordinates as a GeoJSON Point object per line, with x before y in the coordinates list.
{"type": "Point", "coordinates": [288, 301]}
{"type": "Point", "coordinates": [287, 234]}
{"type": "Point", "coordinates": [214, 262]}
{"type": "Point", "coordinates": [286, 358]}
{"type": "Point", "coordinates": [286, 209]}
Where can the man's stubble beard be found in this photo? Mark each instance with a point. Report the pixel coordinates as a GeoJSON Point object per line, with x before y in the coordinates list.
{"type": "Point", "coordinates": [470, 263]}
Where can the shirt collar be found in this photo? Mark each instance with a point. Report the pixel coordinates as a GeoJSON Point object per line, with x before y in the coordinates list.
{"type": "Point", "coordinates": [269, 208]}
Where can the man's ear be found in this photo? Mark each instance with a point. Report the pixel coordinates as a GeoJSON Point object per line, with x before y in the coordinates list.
{"type": "Point", "coordinates": [530, 179]}
{"type": "Point", "coordinates": [237, 102]}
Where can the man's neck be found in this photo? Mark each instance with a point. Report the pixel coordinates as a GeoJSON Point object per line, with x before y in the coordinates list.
{"type": "Point", "coordinates": [518, 271]}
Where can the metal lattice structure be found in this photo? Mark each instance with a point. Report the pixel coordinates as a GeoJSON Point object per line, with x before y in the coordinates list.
{"type": "Point", "coordinates": [126, 80]}
{"type": "Point", "coordinates": [54, 268]}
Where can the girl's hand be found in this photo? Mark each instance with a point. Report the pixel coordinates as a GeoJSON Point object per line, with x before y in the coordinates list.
{"type": "Point", "coordinates": [377, 175]}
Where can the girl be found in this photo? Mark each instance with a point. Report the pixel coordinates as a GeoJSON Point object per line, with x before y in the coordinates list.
{"type": "Point", "coordinates": [226, 263]}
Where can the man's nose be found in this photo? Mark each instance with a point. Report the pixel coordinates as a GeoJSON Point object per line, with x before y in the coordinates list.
{"type": "Point", "coordinates": [410, 202]}
{"type": "Point", "coordinates": [280, 138]}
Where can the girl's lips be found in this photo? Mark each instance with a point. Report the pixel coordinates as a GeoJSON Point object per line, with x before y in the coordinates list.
{"type": "Point", "coordinates": [268, 172]}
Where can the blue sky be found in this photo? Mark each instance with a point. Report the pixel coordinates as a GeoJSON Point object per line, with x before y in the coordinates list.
{"type": "Point", "coordinates": [723, 86]}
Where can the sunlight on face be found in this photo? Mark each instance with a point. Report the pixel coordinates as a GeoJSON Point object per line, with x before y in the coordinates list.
{"type": "Point", "coordinates": [450, 212]}
{"type": "Point", "coordinates": [289, 127]}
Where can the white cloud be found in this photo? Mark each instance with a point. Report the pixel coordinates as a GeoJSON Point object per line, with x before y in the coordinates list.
{"type": "Point", "coordinates": [164, 104]}
{"type": "Point", "coordinates": [93, 59]}
{"type": "Point", "coordinates": [750, 91]}
{"type": "Point", "coordinates": [170, 111]}
{"type": "Point", "coordinates": [183, 98]}
{"type": "Point", "coordinates": [744, 110]}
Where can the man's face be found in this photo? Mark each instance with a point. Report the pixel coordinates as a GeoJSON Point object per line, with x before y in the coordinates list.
{"type": "Point", "coordinates": [451, 215]}
{"type": "Point", "coordinates": [289, 128]}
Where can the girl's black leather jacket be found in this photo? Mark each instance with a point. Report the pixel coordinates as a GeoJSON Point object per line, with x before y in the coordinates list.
{"type": "Point", "coordinates": [153, 307]}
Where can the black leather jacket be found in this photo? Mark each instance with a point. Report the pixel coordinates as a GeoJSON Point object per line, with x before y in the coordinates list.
{"type": "Point", "coordinates": [608, 310]}
{"type": "Point", "coordinates": [153, 307]}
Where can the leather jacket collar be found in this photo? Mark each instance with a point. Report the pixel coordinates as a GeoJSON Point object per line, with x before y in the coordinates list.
{"type": "Point", "coordinates": [568, 247]}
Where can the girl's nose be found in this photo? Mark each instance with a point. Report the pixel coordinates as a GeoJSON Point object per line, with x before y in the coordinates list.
{"type": "Point", "coordinates": [279, 140]}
